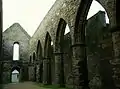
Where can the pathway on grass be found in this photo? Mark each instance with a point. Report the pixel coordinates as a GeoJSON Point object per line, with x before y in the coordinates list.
{"type": "Point", "coordinates": [24, 85]}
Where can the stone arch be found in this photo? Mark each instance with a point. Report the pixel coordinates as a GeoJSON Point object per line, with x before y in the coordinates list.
{"type": "Point", "coordinates": [63, 60]}
{"type": "Point", "coordinates": [16, 42]}
{"type": "Point", "coordinates": [15, 68]}
{"type": "Point", "coordinates": [80, 71]}
{"type": "Point", "coordinates": [47, 74]}
{"type": "Point", "coordinates": [59, 64]}
{"type": "Point", "coordinates": [60, 34]}
{"type": "Point", "coordinates": [39, 50]}
{"type": "Point", "coordinates": [83, 10]}
{"type": "Point", "coordinates": [39, 65]}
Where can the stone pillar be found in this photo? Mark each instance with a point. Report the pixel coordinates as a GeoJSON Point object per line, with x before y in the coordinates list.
{"type": "Point", "coordinates": [34, 73]}
{"type": "Point", "coordinates": [38, 72]}
{"type": "Point", "coordinates": [20, 75]}
{"type": "Point", "coordinates": [116, 61]}
{"type": "Point", "coordinates": [79, 66]}
{"type": "Point", "coordinates": [41, 72]}
{"type": "Point", "coordinates": [47, 71]}
{"type": "Point", "coordinates": [59, 69]}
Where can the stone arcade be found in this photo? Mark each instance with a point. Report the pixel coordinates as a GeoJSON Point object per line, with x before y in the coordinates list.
{"type": "Point", "coordinates": [86, 57]}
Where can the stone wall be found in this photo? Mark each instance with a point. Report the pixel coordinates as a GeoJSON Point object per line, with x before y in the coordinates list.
{"type": "Point", "coordinates": [73, 13]}
{"type": "Point", "coordinates": [98, 57]}
{"type": "Point", "coordinates": [0, 39]}
{"type": "Point", "coordinates": [15, 33]}
{"type": "Point", "coordinates": [0, 27]}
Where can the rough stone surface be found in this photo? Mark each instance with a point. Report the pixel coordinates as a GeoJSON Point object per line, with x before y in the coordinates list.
{"type": "Point", "coordinates": [88, 55]}
{"type": "Point", "coordinates": [14, 34]}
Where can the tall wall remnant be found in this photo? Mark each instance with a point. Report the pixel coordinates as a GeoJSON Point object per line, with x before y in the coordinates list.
{"type": "Point", "coordinates": [15, 34]}
{"type": "Point", "coordinates": [80, 59]}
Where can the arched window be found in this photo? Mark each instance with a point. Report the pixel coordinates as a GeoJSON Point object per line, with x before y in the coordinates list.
{"type": "Point", "coordinates": [16, 51]}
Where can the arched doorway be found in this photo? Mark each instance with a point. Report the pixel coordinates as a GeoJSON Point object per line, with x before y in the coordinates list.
{"type": "Point", "coordinates": [15, 74]}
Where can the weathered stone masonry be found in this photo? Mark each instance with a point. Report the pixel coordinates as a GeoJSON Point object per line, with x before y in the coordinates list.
{"type": "Point", "coordinates": [15, 34]}
{"type": "Point", "coordinates": [89, 53]}
{"type": "Point", "coordinates": [74, 14]}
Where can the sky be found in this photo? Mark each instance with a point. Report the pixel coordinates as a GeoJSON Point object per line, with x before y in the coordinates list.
{"type": "Point", "coordinates": [29, 13]}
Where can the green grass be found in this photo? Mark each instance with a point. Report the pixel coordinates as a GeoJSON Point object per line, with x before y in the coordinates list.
{"type": "Point", "coordinates": [51, 86]}
{"type": "Point", "coordinates": [0, 86]}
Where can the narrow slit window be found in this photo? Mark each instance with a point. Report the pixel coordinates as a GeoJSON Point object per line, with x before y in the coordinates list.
{"type": "Point", "coordinates": [16, 51]}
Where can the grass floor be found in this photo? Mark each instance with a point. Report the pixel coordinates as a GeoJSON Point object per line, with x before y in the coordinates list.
{"type": "Point", "coordinates": [52, 86]}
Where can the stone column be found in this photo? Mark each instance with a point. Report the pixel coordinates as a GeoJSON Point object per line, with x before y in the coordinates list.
{"type": "Point", "coordinates": [79, 66]}
{"type": "Point", "coordinates": [21, 75]}
{"type": "Point", "coordinates": [116, 61]}
{"type": "Point", "coordinates": [59, 69]}
{"type": "Point", "coordinates": [41, 73]}
{"type": "Point", "coordinates": [46, 71]}
{"type": "Point", "coordinates": [37, 71]}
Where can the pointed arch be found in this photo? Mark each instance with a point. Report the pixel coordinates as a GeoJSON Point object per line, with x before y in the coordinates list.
{"type": "Point", "coordinates": [83, 12]}
{"type": "Point", "coordinates": [11, 75]}
{"type": "Point", "coordinates": [15, 68]}
{"type": "Point", "coordinates": [79, 45]}
{"type": "Point", "coordinates": [60, 52]}
{"type": "Point", "coordinates": [39, 66]}
{"type": "Point", "coordinates": [47, 76]}
{"type": "Point", "coordinates": [47, 44]}
{"type": "Point", "coordinates": [60, 34]}
{"type": "Point", "coordinates": [39, 50]}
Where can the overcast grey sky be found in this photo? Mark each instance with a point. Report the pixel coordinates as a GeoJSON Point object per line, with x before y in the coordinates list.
{"type": "Point", "coordinates": [29, 13]}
